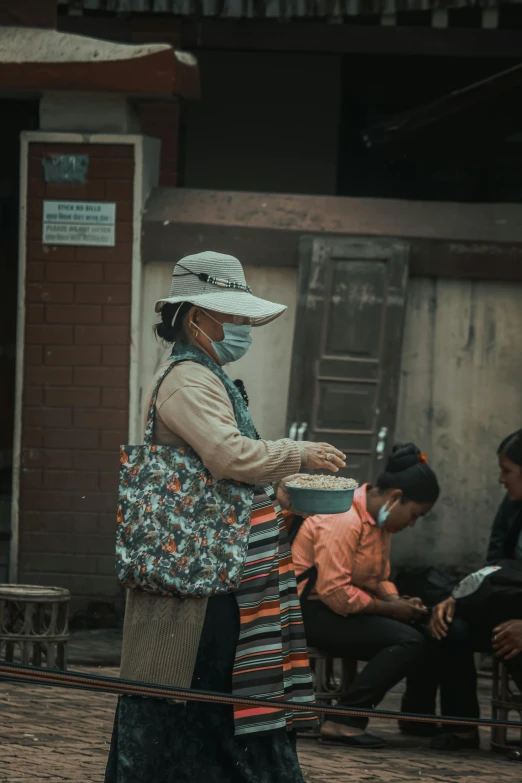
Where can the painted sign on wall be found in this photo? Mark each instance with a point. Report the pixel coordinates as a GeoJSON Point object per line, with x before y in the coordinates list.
{"type": "Point", "coordinates": [65, 168]}
{"type": "Point", "coordinates": [79, 223]}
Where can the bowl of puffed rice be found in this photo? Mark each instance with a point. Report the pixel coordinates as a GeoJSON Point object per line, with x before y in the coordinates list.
{"type": "Point", "coordinates": [320, 494]}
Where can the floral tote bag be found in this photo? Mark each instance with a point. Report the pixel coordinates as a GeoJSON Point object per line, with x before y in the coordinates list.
{"type": "Point", "coordinates": [180, 531]}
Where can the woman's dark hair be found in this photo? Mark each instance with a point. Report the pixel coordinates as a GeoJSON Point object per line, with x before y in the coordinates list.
{"type": "Point", "coordinates": [511, 447]}
{"type": "Point", "coordinates": [408, 471]}
{"type": "Point", "coordinates": [164, 330]}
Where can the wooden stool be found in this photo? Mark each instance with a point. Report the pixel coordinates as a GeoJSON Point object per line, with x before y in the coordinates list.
{"type": "Point", "coordinates": [34, 625]}
{"type": "Point", "coordinates": [330, 685]}
{"type": "Point", "coordinates": [503, 701]}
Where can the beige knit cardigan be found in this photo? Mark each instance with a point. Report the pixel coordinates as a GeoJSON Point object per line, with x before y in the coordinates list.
{"type": "Point", "coordinates": [161, 635]}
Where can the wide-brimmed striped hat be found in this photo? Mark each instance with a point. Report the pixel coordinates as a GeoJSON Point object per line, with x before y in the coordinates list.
{"type": "Point", "coordinates": [217, 282]}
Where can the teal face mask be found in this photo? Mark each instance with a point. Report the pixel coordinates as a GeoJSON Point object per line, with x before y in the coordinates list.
{"type": "Point", "coordinates": [236, 341]}
{"type": "Point", "coordinates": [384, 513]}
{"type": "Point", "coordinates": [382, 516]}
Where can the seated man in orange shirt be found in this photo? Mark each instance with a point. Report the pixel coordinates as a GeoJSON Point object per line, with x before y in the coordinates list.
{"type": "Point", "coordinates": [350, 609]}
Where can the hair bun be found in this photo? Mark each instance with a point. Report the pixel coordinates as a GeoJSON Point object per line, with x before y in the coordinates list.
{"type": "Point", "coordinates": [403, 456]}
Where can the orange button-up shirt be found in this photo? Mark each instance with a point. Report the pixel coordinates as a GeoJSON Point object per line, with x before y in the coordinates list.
{"type": "Point", "coordinates": [351, 554]}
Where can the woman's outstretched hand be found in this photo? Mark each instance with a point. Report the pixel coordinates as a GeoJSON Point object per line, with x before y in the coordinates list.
{"type": "Point", "coordinates": [323, 456]}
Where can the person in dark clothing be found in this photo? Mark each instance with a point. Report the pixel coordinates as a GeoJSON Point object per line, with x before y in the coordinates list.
{"type": "Point", "coordinates": [504, 542]}
{"type": "Point", "coordinates": [450, 661]}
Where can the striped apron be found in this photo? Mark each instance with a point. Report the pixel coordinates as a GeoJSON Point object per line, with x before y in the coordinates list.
{"type": "Point", "coordinates": [271, 655]}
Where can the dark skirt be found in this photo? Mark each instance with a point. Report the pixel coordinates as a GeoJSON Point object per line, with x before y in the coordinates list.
{"type": "Point", "coordinates": [157, 742]}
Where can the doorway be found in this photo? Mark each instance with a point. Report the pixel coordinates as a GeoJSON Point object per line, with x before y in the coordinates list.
{"type": "Point", "coordinates": [17, 116]}
{"type": "Point", "coordinates": [347, 348]}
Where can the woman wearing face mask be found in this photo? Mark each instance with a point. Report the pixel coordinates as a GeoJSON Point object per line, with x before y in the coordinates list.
{"type": "Point", "coordinates": [451, 664]}
{"type": "Point", "coordinates": [249, 642]}
{"type": "Point", "coordinates": [350, 608]}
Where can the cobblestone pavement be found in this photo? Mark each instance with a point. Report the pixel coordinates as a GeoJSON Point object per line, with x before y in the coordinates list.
{"type": "Point", "coordinates": [61, 736]}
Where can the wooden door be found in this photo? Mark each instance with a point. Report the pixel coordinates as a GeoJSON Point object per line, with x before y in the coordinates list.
{"type": "Point", "coordinates": [347, 347]}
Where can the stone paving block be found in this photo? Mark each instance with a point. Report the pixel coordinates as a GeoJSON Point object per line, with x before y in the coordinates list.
{"type": "Point", "coordinates": [62, 736]}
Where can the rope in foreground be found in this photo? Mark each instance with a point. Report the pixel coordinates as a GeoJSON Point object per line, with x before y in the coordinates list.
{"type": "Point", "coordinates": [92, 682]}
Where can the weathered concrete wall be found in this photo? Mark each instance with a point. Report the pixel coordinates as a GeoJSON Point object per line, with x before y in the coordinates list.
{"type": "Point", "coordinates": [87, 113]}
{"type": "Point", "coordinates": [461, 392]}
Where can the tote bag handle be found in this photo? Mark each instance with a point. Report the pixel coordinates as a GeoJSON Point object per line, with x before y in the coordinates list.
{"type": "Point", "coordinates": [151, 414]}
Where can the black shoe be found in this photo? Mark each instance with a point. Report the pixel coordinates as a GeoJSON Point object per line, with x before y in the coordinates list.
{"type": "Point", "coordinates": [452, 742]}
{"type": "Point", "coordinates": [369, 741]}
{"type": "Point", "coordinates": [414, 728]}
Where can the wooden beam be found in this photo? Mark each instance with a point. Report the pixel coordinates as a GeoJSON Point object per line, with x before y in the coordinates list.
{"type": "Point", "coordinates": [254, 246]}
{"type": "Point", "coordinates": [469, 241]}
{"type": "Point", "coordinates": [29, 13]}
{"type": "Point", "coordinates": [270, 247]}
{"type": "Point", "coordinates": [467, 260]}
{"type": "Point", "coordinates": [350, 39]}
{"type": "Point", "coordinates": [266, 35]}
{"type": "Point", "coordinates": [404, 126]}
{"type": "Point", "coordinates": [335, 215]}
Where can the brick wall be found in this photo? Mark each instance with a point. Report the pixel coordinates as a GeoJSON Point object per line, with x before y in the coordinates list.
{"type": "Point", "coordinates": [75, 403]}
{"type": "Point", "coordinates": [163, 121]}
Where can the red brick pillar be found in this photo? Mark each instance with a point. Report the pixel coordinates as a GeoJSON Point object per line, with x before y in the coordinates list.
{"type": "Point", "coordinates": [163, 121]}
{"type": "Point", "coordinates": [76, 382]}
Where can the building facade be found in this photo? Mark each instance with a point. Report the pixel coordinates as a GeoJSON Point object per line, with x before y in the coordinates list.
{"type": "Point", "coordinates": [385, 215]}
